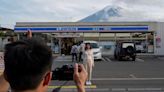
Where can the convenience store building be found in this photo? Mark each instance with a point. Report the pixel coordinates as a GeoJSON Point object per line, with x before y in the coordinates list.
{"type": "Point", "coordinates": [148, 36]}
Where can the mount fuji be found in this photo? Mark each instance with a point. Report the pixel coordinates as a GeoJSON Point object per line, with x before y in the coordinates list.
{"type": "Point", "coordinates": [116, 13]}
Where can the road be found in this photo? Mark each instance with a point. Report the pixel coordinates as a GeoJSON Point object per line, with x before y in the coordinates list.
{"type": "Point", "coordinates": [109, 75]}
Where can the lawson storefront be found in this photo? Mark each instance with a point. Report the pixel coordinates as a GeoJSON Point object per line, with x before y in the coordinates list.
{"type": "Point", "coordinates": [61, 35]}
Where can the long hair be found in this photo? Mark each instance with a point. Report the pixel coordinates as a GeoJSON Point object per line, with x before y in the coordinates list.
{"type": "Point", "coordinates": [86, 46]}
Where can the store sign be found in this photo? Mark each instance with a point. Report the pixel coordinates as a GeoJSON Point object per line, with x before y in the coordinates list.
{"type": "Point", "coordinates": [83, 29]}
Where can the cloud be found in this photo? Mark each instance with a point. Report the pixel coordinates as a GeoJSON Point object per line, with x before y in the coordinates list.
{"type": "Point", "coordinates": [71, 10]}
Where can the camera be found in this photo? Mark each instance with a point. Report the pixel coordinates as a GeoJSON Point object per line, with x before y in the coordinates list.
{"type": "Point", "coordinates": [63, 73]}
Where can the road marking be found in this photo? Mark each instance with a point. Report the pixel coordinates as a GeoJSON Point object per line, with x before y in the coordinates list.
{"type": "Point", "coordinates": [139, 60]}
{"type": "Point", "coordinates": [71, 87]}
{"type": "Point", "coordinates": [136, 89]}
{"type": "Point", "coordinates": [98, 89]}
{"type": "Point", "coordinates": [108, 59]}
{"type": "Point", "coordinates": [103, 59]}
{"type": "Point", "coordinates": [132, 76]}
{"type": "Point", "coordinates": [87, 90]}
{"type": "Point", "coordinates": [106, 79]}
{"type": "Point", "coordinates": [118, 89]}
{"type": "Point", "coordinates": [112, 89]}
{"type": "Point", "coordinates": [144, 89]}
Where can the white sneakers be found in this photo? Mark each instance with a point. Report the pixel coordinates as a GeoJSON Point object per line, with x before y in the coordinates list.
{"type": "Point", "coordinates": [88, 83]}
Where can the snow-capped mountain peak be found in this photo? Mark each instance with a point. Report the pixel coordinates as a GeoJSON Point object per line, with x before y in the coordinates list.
{"type": "Point", "coordinates": [119, 13]}
{"type": "Point", "coordinates": [104, 14]}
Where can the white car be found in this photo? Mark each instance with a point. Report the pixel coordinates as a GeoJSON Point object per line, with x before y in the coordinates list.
{"type": "Point", "coordinates": [96, 49]}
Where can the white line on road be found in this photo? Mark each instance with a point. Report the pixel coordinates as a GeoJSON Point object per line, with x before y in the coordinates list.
{"type": "Point", "coordinates": [132, 76]}
{"type": "Point", "coordinates": [88, 90]}
{"type": "Point", "coordinates": [108, 59]}
{"type": "Point", "coordinates": [112, 89]}
{"type": "Point", "coordinates": [144, 89]}
{"type": "Point", "coordinates": [136, 89]}
{"type": "Point", "coordinates": [103, 59]}
{"type": "Point", "coordinates": [139, 60]}
{"type": "Point", "coordinates": [118, 89]}
{"type": "Point", "coordinates": [105, 79]}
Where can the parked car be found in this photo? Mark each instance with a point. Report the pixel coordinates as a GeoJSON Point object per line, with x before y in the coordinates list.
{"type": "Point", "coordinates": [125, 50]}
{"type": "Point", "coordinates": [96, 49]}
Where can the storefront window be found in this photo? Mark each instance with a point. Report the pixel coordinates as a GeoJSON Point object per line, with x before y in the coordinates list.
{"type": "Point", "coordinates": [107, 36]}
{"type": "Point", "coordinates": [91, 36]}
{"type": "Point", "coordinates": [138, 36]}
{"type": "Point", "coordinates": [144, 42]}
{"type": "Point", "coordinates": [150, 39]}
{"type": "Point", "coordinates": [80, 39]}
{"type": "Point", "coordinates": [107, 42]}
{"type": "Point", "coordinates": [123, 37]}
{"type": "Point", "coordinates": [55, 46]}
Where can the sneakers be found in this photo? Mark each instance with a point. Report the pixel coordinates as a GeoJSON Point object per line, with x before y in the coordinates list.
{"type": "Point", "coordinates": [88, 83]}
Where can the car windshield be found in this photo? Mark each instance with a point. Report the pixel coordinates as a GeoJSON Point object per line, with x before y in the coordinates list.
{"type": "Point", "coordinates": [125, 45]}
{"type": "Point", "coordinates": [94, 45]}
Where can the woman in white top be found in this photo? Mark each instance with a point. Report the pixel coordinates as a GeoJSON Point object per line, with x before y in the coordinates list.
{"type": "Point", "coordinates": [88, 62]}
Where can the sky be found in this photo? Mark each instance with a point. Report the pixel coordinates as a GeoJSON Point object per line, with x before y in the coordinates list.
{"type": "Point", "coordinates": [12, 11]}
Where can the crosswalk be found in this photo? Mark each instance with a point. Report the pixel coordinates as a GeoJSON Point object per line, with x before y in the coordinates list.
{"type": "Point", "coordinates": [106, 59]}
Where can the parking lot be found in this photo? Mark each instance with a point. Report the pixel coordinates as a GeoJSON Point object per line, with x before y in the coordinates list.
{"type": "Point", "coordinates": [109, 75]}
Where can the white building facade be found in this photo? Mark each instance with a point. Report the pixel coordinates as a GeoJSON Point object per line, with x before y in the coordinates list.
{"type": "Point", "coordinates": [148, 36]}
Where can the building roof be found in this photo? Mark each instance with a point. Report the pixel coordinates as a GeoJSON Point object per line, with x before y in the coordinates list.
{"type": "Point", "coordinates": [5, 29]}
{"type": "Point", "coordinates": [52, 24]}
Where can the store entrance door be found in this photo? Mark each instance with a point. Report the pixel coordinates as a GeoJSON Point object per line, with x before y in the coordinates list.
{"type": "Point", "coordinates": [66, 44]}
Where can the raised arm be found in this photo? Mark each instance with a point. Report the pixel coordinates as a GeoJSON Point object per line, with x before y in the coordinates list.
{"type": "Point", "coordinates": [80, 77]}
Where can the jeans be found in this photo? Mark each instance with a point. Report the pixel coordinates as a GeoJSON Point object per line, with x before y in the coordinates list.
{"type": "Point", "coordinates": [74, 56]}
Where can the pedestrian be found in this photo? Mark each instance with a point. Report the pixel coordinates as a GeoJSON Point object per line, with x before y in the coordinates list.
{"type": "Point", "coordinates": [88, 62]}
{"type": "Point", "coordinates": [81, 51]}
{"type": "Point", "coordinates": [74, 52]}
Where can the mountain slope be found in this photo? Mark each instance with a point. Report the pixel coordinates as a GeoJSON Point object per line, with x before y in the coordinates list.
{"type": "Point", "coordinates": [117, 13]}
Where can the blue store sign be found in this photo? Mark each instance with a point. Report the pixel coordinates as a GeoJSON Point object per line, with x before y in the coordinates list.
{"type": "Point", "coordinates": [83, 29]}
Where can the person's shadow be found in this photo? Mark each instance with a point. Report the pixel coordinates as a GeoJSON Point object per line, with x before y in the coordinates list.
{"type": "Point", "coordinates": [59, 88]}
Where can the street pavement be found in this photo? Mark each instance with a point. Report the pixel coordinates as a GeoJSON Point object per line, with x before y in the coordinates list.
{"type": "Point", "coordinates": [109, 75]}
